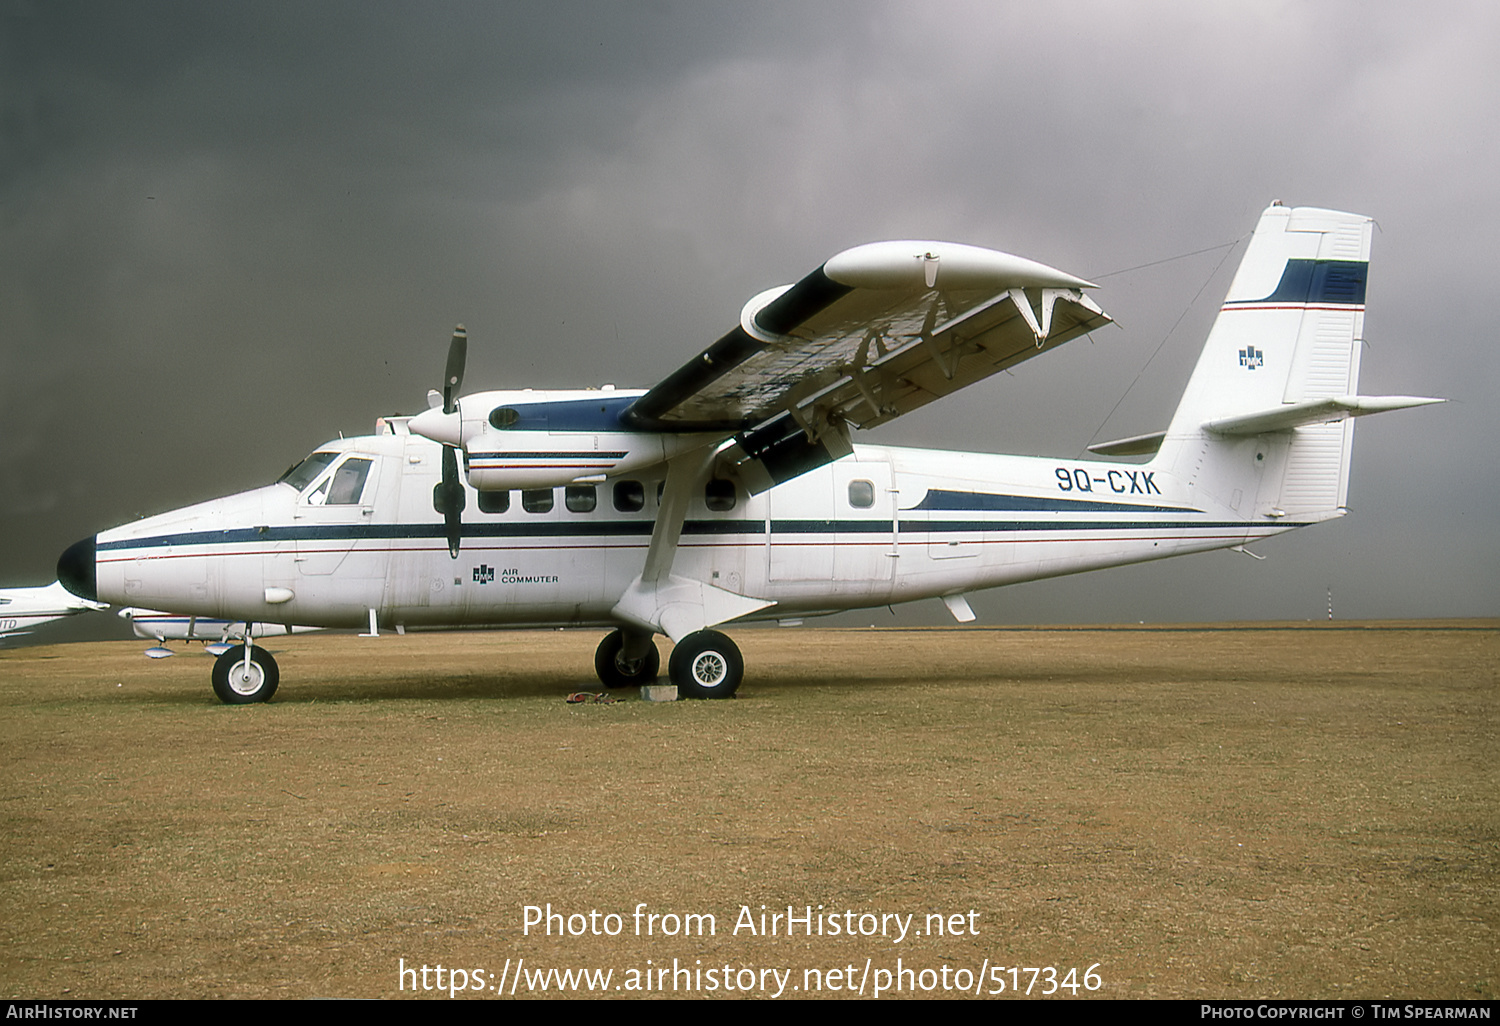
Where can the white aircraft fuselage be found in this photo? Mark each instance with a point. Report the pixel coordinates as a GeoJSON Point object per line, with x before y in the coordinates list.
{"type": "Point", "coordinates": [731, 491]}
{"type": "Point", "coordinates": [882, 526]}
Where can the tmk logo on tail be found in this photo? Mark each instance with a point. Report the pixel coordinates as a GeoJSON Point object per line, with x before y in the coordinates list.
{"type": "Point", "coordinates": [1251, 358]}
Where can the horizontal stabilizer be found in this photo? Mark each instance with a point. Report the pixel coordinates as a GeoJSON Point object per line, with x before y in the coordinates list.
{"type": "Point", "coordinates": [1136, 445]}
{"type": "Point", "coordinates": [1316, 411]}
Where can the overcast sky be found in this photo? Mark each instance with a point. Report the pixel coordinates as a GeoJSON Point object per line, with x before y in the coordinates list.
{"type": "Point", "coordinates": [231, 231]}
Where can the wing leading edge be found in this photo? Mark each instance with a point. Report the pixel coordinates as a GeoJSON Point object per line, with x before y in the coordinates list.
{"type": "Point", "coordinates": [877, 331]}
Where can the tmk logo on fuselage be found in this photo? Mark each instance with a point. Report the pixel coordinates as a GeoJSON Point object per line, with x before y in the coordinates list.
{"type": "Point", "coordinates": [484, 574]}
{"type": "Point", "coordinates": [1251, 358]}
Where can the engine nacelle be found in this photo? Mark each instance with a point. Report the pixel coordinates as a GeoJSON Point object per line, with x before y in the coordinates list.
{"type": "Point", "coordinates": [532, 439]}
{"type": "Point", "coordinates": [500, 460]}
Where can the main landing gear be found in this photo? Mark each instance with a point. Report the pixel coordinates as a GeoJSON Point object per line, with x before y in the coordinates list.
{"type": "Point", "coordinates": [705, 664]}
{"type": "Point", "coordinates": [627, 661]}
{"type": "Point", "coordinates": [240, 681]}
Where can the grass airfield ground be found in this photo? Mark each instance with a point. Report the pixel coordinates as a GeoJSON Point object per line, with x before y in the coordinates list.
{"type": "Point", "coordinates": [1247, 812]}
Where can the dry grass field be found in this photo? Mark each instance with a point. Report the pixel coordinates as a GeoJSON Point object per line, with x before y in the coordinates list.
{"type": "Point", "coordinates": [1247, 812]}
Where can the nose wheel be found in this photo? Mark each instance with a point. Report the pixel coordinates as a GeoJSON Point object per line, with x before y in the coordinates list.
{"type": "Point", "coordinates": [241, 681]}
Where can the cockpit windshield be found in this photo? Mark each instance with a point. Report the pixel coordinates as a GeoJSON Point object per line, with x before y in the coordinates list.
{"type": "Point", "coordinates": [301, 475]}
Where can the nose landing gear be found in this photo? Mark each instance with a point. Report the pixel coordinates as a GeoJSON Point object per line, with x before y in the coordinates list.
{"type": "Point", "coordinates": [239, 680]}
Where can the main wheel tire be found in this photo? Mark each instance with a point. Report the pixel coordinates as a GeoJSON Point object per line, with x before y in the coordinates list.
{"type": "Point", "coordinates": [613, 672]}
{"type": "Point", "coordinates": [237, 684]}
{"type": "Point", "coordinates": [706, 665]}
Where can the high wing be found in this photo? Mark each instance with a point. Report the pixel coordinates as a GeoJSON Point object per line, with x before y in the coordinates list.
{"type": "Point", "coordinates": [877, 331]}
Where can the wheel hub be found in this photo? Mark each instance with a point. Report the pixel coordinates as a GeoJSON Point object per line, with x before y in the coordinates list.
{"type": "Point", "coordinates": [246, 681]}
{"type": "Point", "coordinates": [710, 669]}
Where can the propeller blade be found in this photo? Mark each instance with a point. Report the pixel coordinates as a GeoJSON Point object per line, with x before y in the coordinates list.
{"type": "Point", "coordinates": [448, 496]}
{"type": "Point", "coordinates": [453, 376]}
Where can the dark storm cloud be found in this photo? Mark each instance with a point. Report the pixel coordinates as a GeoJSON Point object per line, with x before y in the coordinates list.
{"type": "Point", "coordinates": [231, 231]}
{"type": "Point", "coordinates": [408, 91]}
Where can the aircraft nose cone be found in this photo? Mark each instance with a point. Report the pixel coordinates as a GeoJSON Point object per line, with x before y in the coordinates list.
{"type": "Point", "coordinates": [75, 569]}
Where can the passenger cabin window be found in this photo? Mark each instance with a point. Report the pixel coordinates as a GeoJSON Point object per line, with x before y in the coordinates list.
{"type": "Point", "coordinates": [494, 502]}
{"type": "Point", "coordinates": [719, 495]}
{"type": "Point", "coordinates": [502, 417]}
{"type": "Point", "coordinates": [300, 475]}
{"type": "Point", "coordinates": [861, 494]}
{"type": "Point", "coordinates": [630, 496]}
{"type": "Point", "coordinates": [537, 500]}
{"type": "Point", "coordinates": [580, 498]}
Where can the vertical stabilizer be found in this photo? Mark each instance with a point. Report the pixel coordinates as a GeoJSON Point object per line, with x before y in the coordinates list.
{"type": "Point", "coordinates": [1287, 337]}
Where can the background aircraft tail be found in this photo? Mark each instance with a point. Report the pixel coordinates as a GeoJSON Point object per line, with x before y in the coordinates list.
{"type": "Point", "coordinates": [1266, 425]}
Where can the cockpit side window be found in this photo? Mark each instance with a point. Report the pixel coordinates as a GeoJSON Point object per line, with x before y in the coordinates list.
{"type": "Point", "coordinates": [348, 482]}
{"type": "Point", "coordinates": [300, 475]}
{"type": "Point", "coordinates": [343, 487]}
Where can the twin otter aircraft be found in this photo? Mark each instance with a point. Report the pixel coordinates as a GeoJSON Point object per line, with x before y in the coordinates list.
{"type": "Point", "coordinates": [731, 491]}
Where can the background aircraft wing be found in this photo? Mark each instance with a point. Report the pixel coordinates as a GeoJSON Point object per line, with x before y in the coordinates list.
{"type": "Point", "coordinates": [875, 332]}
{"type": "Point", "coordinates": [24, 609]}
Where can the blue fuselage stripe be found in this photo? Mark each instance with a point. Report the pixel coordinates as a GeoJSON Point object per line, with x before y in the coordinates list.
{"type": "Point", "coordinates": [642, 529]}
{"type": "Point", "coordinates": [989, 502]}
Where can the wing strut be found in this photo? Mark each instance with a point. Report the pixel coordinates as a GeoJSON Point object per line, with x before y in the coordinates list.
{"type": "Point", "coordinates": [660, 600]}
